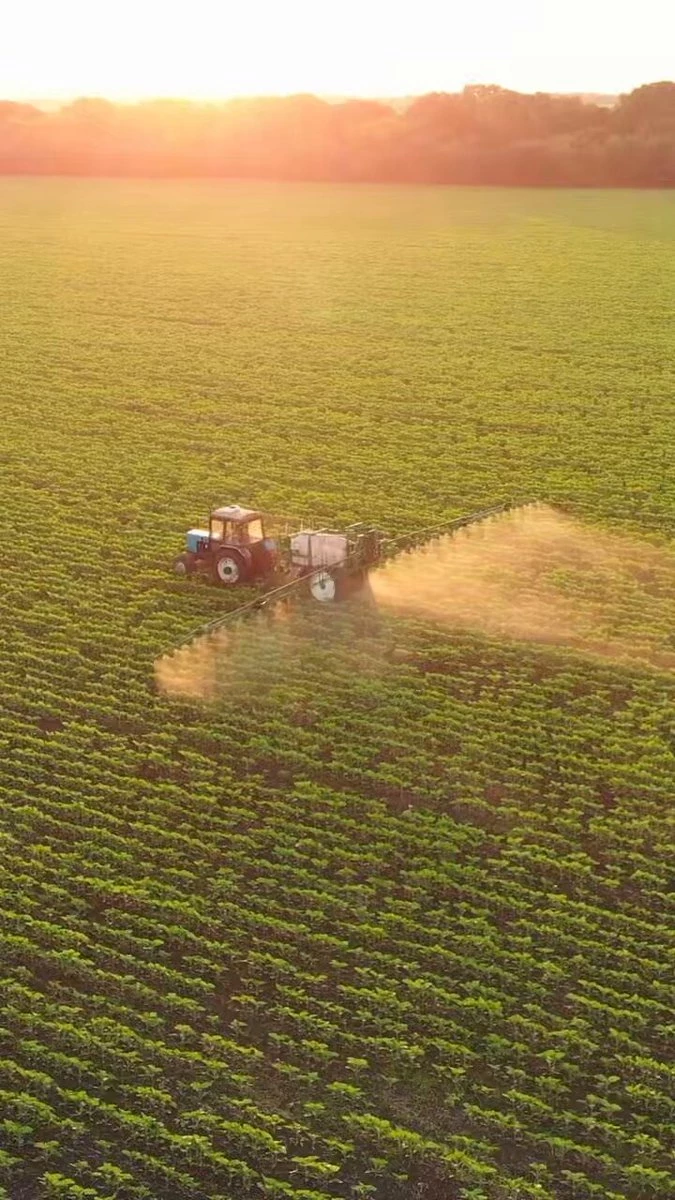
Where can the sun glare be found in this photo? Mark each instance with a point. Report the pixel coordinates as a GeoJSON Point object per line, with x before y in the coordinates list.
{"type": "Point", "coordinates": [208, 49]}
{"type": "Point", "coordinates": [218, 48]}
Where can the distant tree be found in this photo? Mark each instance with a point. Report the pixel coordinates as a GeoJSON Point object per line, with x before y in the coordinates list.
{"type": "Point", "coordinates": [484, 134]}
{"type": "Point", "coordinates": [12, 110]}
{"type": "Point", "coordinates": [443, 115]}
{"type": "Point", "coordinates": [651, 107]}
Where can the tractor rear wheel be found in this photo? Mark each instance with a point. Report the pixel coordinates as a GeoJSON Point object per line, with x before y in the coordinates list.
{"type": "Point", "coordinates": [230, 569]}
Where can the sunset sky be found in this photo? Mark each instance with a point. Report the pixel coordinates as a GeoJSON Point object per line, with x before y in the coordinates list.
{"type": "Point", "coordinates": [216, 48]}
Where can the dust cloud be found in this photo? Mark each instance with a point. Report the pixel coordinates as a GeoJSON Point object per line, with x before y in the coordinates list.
{"type": "Point", "coordinates": [538, 575]}
{"type": "Point", "coordinates": [532, 575]}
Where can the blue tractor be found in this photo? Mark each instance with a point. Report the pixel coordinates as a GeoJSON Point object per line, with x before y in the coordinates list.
{"type": "Point", "coordinates": [233, 550]}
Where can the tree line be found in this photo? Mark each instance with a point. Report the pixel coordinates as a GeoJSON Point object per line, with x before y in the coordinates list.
{"type": "Point", "coordinates": [482, 135]}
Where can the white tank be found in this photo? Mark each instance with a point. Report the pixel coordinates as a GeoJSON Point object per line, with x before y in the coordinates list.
{"type": "Point", "coordinates": [311, 550]}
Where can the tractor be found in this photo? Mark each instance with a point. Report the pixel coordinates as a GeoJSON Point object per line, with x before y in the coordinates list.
{"type": "Point", "coordinates": [233, 550]}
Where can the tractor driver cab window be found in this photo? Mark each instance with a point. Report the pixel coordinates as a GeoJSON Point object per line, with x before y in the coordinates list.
{"type": "Point", "coordinates": [255, 531]}
{"type": "Point", "coordinates": [217, 529]}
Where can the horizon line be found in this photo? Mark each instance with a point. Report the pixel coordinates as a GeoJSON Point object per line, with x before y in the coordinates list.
{"type": "Point", "coordinates": [65, 97]}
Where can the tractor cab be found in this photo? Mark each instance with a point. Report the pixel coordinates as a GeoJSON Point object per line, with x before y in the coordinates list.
{"type": "Point", "coordinates": [233, 549]}
{"type": "Point", "coordinates": [235, 526]}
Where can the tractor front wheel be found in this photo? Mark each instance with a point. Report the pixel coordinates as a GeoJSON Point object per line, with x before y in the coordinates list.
{"type": "Point", "coordinates": [184, 564]}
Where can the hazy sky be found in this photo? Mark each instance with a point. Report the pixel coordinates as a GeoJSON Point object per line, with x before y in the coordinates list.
{"type": "Point", "coordinates": [216, 48]}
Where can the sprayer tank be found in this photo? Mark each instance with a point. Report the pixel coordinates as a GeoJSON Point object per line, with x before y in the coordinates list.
{"type": "Point", "coordinates": [309, 550]}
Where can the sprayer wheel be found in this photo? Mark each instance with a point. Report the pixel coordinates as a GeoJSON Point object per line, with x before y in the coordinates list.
{"type": "Point", "coordinates": [323, 587]}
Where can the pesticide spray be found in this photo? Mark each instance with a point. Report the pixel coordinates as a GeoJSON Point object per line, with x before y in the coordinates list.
{"type": "Point", "coordinates": [282, 647]}
{"type": "Point", "coordinates": [531, 575]}
{"type": "Point", "coordinates": [538, 575]}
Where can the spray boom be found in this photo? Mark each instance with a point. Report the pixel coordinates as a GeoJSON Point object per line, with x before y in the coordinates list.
{"type": "Point", "coordinates": [331, 565]}
{"type": "Point", "coordinates": [530, 573]}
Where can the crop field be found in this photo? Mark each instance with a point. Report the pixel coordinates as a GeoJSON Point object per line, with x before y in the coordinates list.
{"type": "Point", "coordinates": [389, 913]}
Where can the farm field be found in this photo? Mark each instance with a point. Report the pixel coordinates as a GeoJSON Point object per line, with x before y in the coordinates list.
{"type": "Point", "coordinates": [391, 918]}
